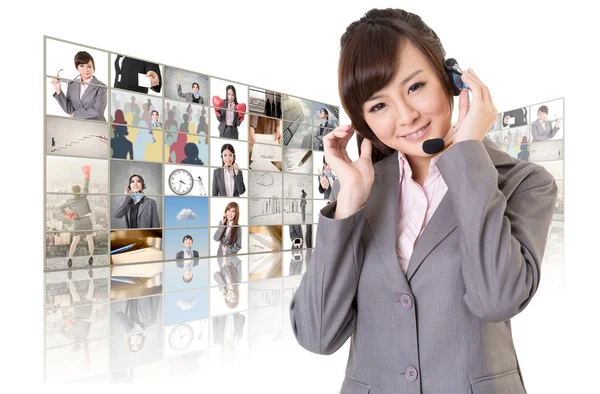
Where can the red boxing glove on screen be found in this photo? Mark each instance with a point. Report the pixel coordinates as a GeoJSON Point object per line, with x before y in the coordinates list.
{"type": "Point", "coordinates": [86, 170]}
{"type": "Point", "coordinates": [241, 109]}
{"type": "Point", "coordinates": [218, 104]}
{"type": "Point", "coordinates": [70, 215]}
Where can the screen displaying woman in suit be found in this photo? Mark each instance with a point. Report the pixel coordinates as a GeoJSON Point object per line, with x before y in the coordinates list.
{"type": "Point", "coordinates": [230, 113]}
{"type": "Point", "coordinates": [228, 180]}
{"type": "Point", "coordinates": [81, 212]}
{"type": "Point", "coordinates": [139, 211]}
{"type": "Point", "coordinates": [229, 277]}
{"type": "Point", "coordinates": [229, 234]}
{"type": "Point", "coordinates": [86, 98]}
{"type": "Point", "coordinates": [425, 257]}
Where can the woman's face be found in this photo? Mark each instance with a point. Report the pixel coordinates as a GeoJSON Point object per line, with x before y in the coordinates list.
{"type": "Point", "coordinates": [86, 70]}
{"type": "Point", "coordinates": [187, 243]}
{"type": "Point", "coordinates": [230, 214]}
{"type": "Point", "coordinates": [542, 116]}
{"type": "Point", "coordinates": [412, 107]}
{"type": "Point", "coordinates": [195, 88]}
{"type": "Point", "coordinates": [230, 296]}
{"type": "Point", "coordinates": [227, 157]}
{"type": "Point", "coordinates": [230, 95]}
{"type": "Point", "coordinates": [136, 184]}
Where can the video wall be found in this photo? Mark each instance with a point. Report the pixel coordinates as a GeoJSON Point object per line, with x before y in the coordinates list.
{"type": "Point", "coordinates": [536, 133]}
{"type": "Point", "coordinates": [174, 195]}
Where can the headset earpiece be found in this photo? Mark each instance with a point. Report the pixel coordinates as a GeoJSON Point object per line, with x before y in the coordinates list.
{"type": "Point", "coordinates": [454, 74]}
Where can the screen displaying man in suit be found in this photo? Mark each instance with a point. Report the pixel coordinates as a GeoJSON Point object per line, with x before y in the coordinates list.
{"type": "Point", "coordinates": [85, 99]}
{"type": "Point", "coordinates": [228, 180]}
{"type": "Point", "coordinates": [301, 235]}
{"type": "Point", "coordinates": [127, 72]}
{"type": "Point", "coordinates": [187, 253]}
{"type": "Point", "coordinates": [542, 129]}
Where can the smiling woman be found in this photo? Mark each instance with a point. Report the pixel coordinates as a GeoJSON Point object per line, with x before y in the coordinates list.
{"type": "Point", "coordinates": [85, 99]}
{"type": "Point", "coordinates": [422, 258]}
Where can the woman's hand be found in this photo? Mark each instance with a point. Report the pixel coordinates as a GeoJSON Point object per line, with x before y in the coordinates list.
{"type": "Point", "coordinates": [236, 168]}
{"type": "Point", "coordinates": [56, 85]}
{"type": "Point", "coordinates": [356, 178]}
{"type": "Point", "coordinates": [476, 118]}
{"type": "Point", "coordinates": [128, 191]}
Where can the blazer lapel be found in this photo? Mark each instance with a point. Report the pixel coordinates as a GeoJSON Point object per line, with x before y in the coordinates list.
{"type": "Point", "coordinates": [384, 193]}
{"type": "Point", "coordinates": [444, 220]}
{"type": "Point", "coordinates": [90, 88]}
{"type": "Point", "coordinates": [143, 204]}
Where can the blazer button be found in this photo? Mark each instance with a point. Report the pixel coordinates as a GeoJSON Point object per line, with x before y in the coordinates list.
{"type": "Point", "coordinates": [406, 301]}
{"type": "Point", "coordinates": [411, 374]}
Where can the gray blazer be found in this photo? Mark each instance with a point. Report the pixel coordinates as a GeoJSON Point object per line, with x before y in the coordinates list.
{"type": "Point", "coordinates": [234, 245]}
{"type": "Point", "coordinates": [545, 133]}
{"type": "Point", "coordinates": [444, 327]}
{"type": "Point", "coordinates": [80, 205]}
{"type": "Point", "coordinates": [147, 213]}
{"type": "Point", "coordinates": [218, 183]}
{"type": "Point", "coordinates": [90, 106]}
{"type": "Point", "coordinates": [189, 96]}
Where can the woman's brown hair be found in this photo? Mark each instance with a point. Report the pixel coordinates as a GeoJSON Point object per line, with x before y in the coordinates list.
{"type": "Point", "coordinates": [234, 228]}
{"type": "Point", "coordinates": [369, 58]}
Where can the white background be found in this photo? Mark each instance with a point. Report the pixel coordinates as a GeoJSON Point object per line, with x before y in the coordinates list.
{"type": "Point", "coordinates": [555, 337]}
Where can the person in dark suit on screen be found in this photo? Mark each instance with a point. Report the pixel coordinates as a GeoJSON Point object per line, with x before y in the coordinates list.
{"type": "Point", "coordinates": [127, 72]}
{"type": "Point", "coordinates": [183, 258]}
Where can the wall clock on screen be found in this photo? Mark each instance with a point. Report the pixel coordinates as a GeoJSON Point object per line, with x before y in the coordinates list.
{"type": "Point", "coordinates": [181, 182]}
{"type": "Point", "coordinates": [181, 336]}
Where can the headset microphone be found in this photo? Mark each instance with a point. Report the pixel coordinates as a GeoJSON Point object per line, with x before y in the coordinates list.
{"type": "Point", "coordinates": [436, 145]}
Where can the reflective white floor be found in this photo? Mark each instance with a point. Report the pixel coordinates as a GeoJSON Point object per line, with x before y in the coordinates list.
{"type": "Point", "coordinates": [193, 336]}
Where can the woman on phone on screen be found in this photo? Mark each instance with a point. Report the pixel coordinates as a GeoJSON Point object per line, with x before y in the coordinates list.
{"type": "Point", "coordinates": [139, 210]}
{"type": "Point", "coordinates": [229, 233]}
{"type": "Point", "coordinates": [422, 258]}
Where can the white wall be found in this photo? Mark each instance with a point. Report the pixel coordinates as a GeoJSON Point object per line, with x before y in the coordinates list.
{"type": "Point", "coordinates": [526, 52]}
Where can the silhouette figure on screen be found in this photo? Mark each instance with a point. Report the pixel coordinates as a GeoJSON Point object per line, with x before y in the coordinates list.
{"type": "Point", "coordinates": [303, 206]}
{"type": "Point", "coordinates": [191, 154]}
{"type": "Point", "coordinates": [120, 145]}
{"type": "Point", "coordinates": [170, 122]}
{"type": "Point", "coordinates": [178, 149]}
{"type": "Point", "coordinates": [184, 127]}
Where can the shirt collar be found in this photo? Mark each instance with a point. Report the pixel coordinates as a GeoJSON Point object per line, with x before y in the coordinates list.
{"type": "Point", "coordinates": [405, 165]}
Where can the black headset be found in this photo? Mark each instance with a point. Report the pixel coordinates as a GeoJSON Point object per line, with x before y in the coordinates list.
{"type": "Point", "coordinates": [454, 73]}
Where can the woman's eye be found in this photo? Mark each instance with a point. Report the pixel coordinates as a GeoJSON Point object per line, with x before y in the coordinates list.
{"type": "Point", "coordinates": [415, 87]}
{"type": "Point", "coordinates": [377, 107]}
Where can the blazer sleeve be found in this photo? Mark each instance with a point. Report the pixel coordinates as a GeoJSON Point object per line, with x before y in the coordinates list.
{"type": "Point", "coordinates": [219, 232]}
{"type": "Point", "coordinates": [97, 107]}
{"type": "Point", "coordinates": [215, 188]}
{"type": "Point", "coordinates": [503, 241]}
{"type": "Point", "coordinates": [64, 101]}
{"type": "Point", "coordinates": [294, 234]}
{"type": "Point", "coordinates": [322, 310]}
{"type": "Point", "coordinates": [155, 218]}
{"type": "Point", "coordinates": [553, 131]}
{"type": "Point", "coordinates": [239, 183]}
{"type": "Point", "coordinates": [122, 207]}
